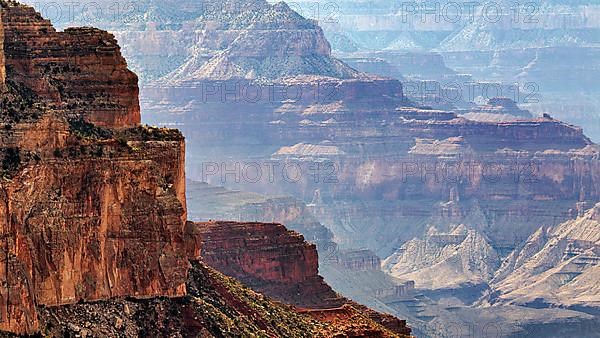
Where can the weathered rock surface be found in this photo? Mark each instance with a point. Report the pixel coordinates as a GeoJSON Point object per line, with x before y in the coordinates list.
{"type": "Point", "coordinates": [356, 273]}
{"type": "Point", "coordinates": [80, 69]}
{"type": "Point", "coordinates": [279, 263]}
{"type": "Point", "coordinates": [268, 258]}
{"type": "Point", "coordinates": [462, 256]}
{"type": "Point", "coordinates": [557, 266]}
{"type": "Point", "coordinates": [215, 306]}
{"type": "Point", "coordinates": [88, 212]}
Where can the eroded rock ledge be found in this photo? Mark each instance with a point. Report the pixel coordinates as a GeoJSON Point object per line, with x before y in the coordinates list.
{"type": "Point", "coordinates": [281, 264]}
{"type": "Point", "coordinates": [92, 205]}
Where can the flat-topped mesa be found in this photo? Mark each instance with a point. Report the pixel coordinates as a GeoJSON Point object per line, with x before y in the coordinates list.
{"type": "Point", "coordinates": [80, 70]}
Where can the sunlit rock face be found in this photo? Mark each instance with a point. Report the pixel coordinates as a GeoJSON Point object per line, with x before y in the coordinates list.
{"type": "Point", "coordinates": [557, 265]}
{"type": "Point", "coordinates": [86, 72]}
{"type": "Point", "coordinates": [93, 204]}
{"type": "Point", "coordinates": [462, 256]}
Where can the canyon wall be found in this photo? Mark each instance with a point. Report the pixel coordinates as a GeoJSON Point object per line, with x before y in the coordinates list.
{"type": "Point", "coordinates": [86, 74]}
{"type": "Point", "coordinates": [279, 263]}
{"type": "Point", "coordinates": [94, 238]}
{"type": "Point", "coordinates": [268, 258]}
{"type": "Point", "coordinates": [88, 212]}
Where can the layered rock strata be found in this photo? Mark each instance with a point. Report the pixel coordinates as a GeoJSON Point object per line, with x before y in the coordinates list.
{"type": "Point", "coordinates": [462, 256]}
{"type": "Point", "coordinates": [268, 258]}
{"type": "Point", "coordinates": [556, 266]}
{"type": "Point", "coordinates": [93, 206]}
{"type": "Point", "coordinates": [88, 212]}
{"type": "Point", "coordinates": [279, 263]}
{"type": "Point", "coordinates": [86, 74]}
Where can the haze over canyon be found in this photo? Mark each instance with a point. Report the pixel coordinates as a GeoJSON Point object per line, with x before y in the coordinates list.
{"type": "Point", "coordinates": [311, 168]}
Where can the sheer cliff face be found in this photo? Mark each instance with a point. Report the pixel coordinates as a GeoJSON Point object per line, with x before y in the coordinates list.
{"type": "Point", "coordinates": [92, 205]}
{"type": "Point", "coordinates": [268, 258]}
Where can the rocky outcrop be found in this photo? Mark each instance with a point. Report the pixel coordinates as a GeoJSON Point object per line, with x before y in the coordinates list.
{"type": "Point", "coordinates": [87, 75]}
{"type": "Point", "coordinates": [497, 109]}
{"type": "Point", "coordinates": [215, 306]}
{"type": "Point", "coordinates": [88, 212]}
{"type": "Point", "coordinates": [268, 258]}
{"type": "Point", "coordinates": [279, 263]}
{"type": "Point", "coordinates": [462, 256]}
{"type": "Point", "coordinates": [556, 266]}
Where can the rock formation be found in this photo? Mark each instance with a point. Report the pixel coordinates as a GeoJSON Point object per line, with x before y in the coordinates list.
{"type": "Point", "coordinates": [359, 260]}
{"type": "Point", "coordinates": [279, 263]}
{"type": "Point", "coordinates": [269, 259]}
{"type": "Point", "coordinates": [381, 165]}
{"type": "Point", "coordinates": [88, 76]}
{"type": "Point", "coordinates": [557, 266]}
{"type": "Point", "coordinates": [547, 51]}
{"type": "Point", "coordinates": [462, 256]}
{"type": "Point", "coordinates": [215, 306]}
{"type": "Point", "coordinates": [88, 212]}
{"type": "Point", "coordinates": [93, 213]}
{"type": "Point", "coordinates": [378, 165]}
{"type": "Point", "coordinates": [497, 109]}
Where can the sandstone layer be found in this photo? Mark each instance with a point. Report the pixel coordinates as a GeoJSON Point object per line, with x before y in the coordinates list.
{"type": "Point", "coordinates": [279, 263]}
{"type": "Point", "coordinates": [93, 205]}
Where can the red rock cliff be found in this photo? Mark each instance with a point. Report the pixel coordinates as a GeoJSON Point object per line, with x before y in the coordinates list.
{"type": "Point", "coordinates": [268, 258]}
{"type": "Point", "coordinates": [86, 212]}
{"type": "Point", "coordinates": [279, 263]}
{"type": "Point", "coordinates": [80, 69]}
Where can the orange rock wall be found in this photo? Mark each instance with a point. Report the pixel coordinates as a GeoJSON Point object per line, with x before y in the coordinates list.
{"type": "Point", "coordinates": [268, 258]}
{"type": "Point", "coordinates": [83, 217]}
{"type": "Point", "coordinates": [80, 69]}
